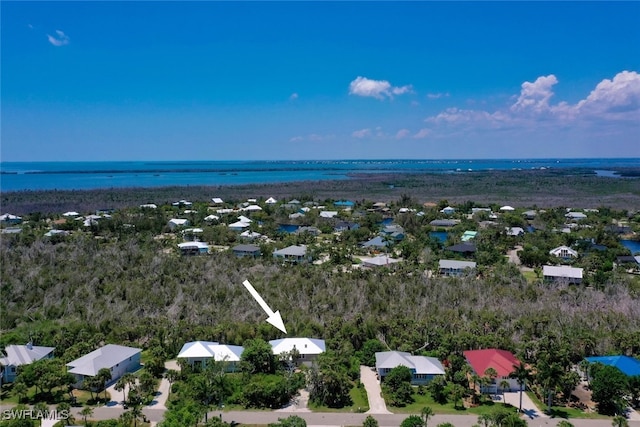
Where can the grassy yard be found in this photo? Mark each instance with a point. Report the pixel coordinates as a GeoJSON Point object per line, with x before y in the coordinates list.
{"type": "Point", "coordinates": [420, 401]}
{"type": "Point", "coordinates": [563, 411]}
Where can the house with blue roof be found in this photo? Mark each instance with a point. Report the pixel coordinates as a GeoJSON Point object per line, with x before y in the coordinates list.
{"type": "Point", "coordinates": [629, 366]}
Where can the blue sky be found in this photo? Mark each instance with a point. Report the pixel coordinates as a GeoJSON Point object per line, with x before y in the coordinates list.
{"type": "Point", "coordinates": [306, 80]}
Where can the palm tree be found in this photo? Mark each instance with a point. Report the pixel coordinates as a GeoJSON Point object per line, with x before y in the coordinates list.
{"type": "Point", "coordinates": [620, 421]}
{"type": "Point", "coordinates": [522, 374]}
{"type": "Point", "coordinates": [121, 385]}
{"type": "Point", "coordinates": [65, 408]}
{"type": "Point", "coordinates": [171, 375]}
{"type": "Point", "coordinates": [426, 413]}
{"type": "Point", "coordinates": [86, 412]}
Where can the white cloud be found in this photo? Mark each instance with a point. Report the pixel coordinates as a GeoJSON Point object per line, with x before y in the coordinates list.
{"type": "Point", "coordinates": [535, 96]}
{"type": "Point", "coordinates": [293, 96]}
{"type": "Point", "coordinates": [296, 139]}
{"type": "Point", "coordinates": [437, 95]}
{"type": "Point", "coordinates": [402, 133]}
{"type": "Point", "coordinates": [422, 133]}
{"type": "Point", "coordinates": [362, 133]}
{"type": "Point", "coordinates": [60, 39]}
{"type": "Point", "coordinates": [613, 100]}
{"type": "Point", "coordinates": [378, 89]}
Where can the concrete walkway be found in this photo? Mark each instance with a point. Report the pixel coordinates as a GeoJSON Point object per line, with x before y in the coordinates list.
{"type": "Point", "coordinates": [161, 396]}
{"type": "Point", "coordinates": [374, 392]}
{"type": "Point", "coordinates": [529, 409]}
{"type": "Point", "coordinates": [298, 404]}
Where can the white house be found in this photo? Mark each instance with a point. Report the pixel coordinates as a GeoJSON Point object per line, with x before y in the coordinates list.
{"type": "Point", "coordinates": [182, 203]}
{"type": "Point", "coordinates": [198, 353]}
{"type": "Point", "coordinates": [19, 355]}
{"type": "Point", "coordinates": [423, 369]}
{"type": "Point", "coordinates": [575, 216]}
{"type": "Point", "coordinates": [117, 358]}
{"type": "Point", "coordinates": [71, 214]}
{"type": "Point", "coordinates": [252, 208]}
{"type": "Point", "coordinates": [271, 201]}
{"type": "Point", "coordinates": [328, 214]}
{"type": "Point", "coordinates": [149, 206]}
{"type": "Point", "coordinates": [308, 349]}
{"type": "Point", "coordinates": [177, 222]}
{"type": "Point", "coordinates": [211, 217]}
{"type": "Point", "coordinates": [379, 261]}
{"type": "Point", "coordinates": [293, 254]}
{"type": "Point", "coordinates": [507, 208]}
{"type": "Point", "coordinates": [448, 210]}
{"type": "Point", "coordinates": [452, 267]}
{"type": "Point", "coordinates": [562, 273]}
{"type": "Point", "coordinates": [563, 252]}
{"type": "Point", "coordinates": [217, 200]}
{"type": "Point", "coordinates": [515, 231]}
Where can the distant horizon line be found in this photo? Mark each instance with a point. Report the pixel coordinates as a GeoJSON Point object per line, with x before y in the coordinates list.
{"type": "Point", "coordinates": [323, 160]}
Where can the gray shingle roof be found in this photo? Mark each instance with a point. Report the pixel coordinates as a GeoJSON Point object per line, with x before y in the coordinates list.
{"type": "Point", "coordinates": [105, 357]}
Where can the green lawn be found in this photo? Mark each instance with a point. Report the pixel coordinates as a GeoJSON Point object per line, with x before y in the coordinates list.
{"type": "Point", "coordinates": [448, 408]}
{"type": "Point", "coordinates": [563, 411]}
{"type": "Point", "coordinates": [530, 276]}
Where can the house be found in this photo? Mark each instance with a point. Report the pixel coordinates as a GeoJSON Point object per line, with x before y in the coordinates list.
{"type": "Point", "coordinates": [71, 214]}
{"type": "Point", "coordinates": [395, 231]}
{"type": "Point", "coordinates": [564, 273]}
{"type": "Point", "coordinates": [296, 215]}
{"type": "Point", "coordinates": [252, 208]}
{"type": "Point", "coordinates": [149, 206]}
{"type": "Point", "coordinates": [529, 215]}
{"type": "Point", "coordinates": [377, 242]}
{"type": "Point", "coordinates": [314, 231]}
{"type": "Point", "coordinates": [55, 232]}
{"type": "Point", "coordinates": [379, 261]}
{"type": "Point", "coordinates": [270, 201]}
{"type": "Point", "coordinates": [11, 230]}
{"type": "Point", "coordinates": [193, 248]}
{"type": "Point", "coordinates": [117, 358]}
{"type": "Point", "coordinates": [478, 210]}
{"type": "Point", "coordinates": [293, 254]}
{"type": "Point", "coordinates": [177, 222]}
{"type": "Point", "coordinates": [465, 248]}
{"type": "Point", "coordinates": [629, 366]}
{"type": "Point", "coordinates": [448, 210]}
{"type": "Point", "coordinates": [563, 252]}
{"type": "Point", "coordinates": [198, 353]}
{"type": "Point", "coordinates": [246, 250]}
{"type": "Point", "coordinates": [292, 204]}
{"type": "Point", "coordinates": [328, 214]}
{"type": "Point", "coordinates": [454, 268]}
{"type": "Point", "coordinates": [10, 219]}
{"type": "Point", "coordinates": [216, 201]}
{"type": "Point", "coordinates": [308, 349]}
{"type": "Point", "coordinates": [345, 226]}
{"type": "Point", "coordinates": [19, 355]}
{"type": "Point", "coordinates": [240, 225]}
{"type": "Point", "coordinates": [515, 231]}
{"type": "Point", "coordinates": [507, 208]}
{"type": "Point", "coordinates": [192, 234]}
{"type": "Point", "coordinates": [210, 218]}
{"type": "Point", "coordinates": [575, 216]}
{"type": "Point", "coordinates": [182, 203]}
{"type": "Point", "coordinates": [423, 369]}
{"type": "Point", "coordinates": [502, 361]}
{"type": "Point", "coordinates": [446, 223]}
{"type": "Point", "coordinates": [251, 235]}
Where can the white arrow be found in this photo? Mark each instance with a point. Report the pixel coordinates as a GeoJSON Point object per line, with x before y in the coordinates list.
{"type": "Point", "coordinates": [274, 318]}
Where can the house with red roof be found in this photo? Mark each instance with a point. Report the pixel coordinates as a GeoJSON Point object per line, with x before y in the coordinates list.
{"type": "Point", "coordinates": [502, 361]}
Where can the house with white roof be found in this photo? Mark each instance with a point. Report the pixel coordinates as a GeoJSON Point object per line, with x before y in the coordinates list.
{"type": "Point", "coordinates": [293, 254]}
{"type": "Point", "coordinates": [448, 210]}
{"type": "Point", "coordinates": [210, 218]}
{"type": "Point", "coordinates": [423, 369]}
{"type": "Point", "coordinates": [307, 349]}
{"type": "Point", "coordinates": [328, 214]}
{"type": "Point", "coordinates": [198, 353]}
{"type": "Point", "coordinates": [71, 214]}
{"type": "Point", "coordinates": [193, 248]}
{"type": "Point", "coordinates": [454, 268]}
{"type": "Point", "coordinates": [177, 222]}
{"type": "Point", "coordinates": [10, 219]}
{"type": "Point", "coordinates": [507, 208]}
{"type": "Point", "coordinates": [379, 261]}
{"type": "Point", "coordinates": [182, 203]}
{"type": "Point", "coordinates": [515, 231]}
{"type": "Point", "coordinates": [149, 206]}
{"type": "Point", "coordinates": [118, 359]}
{"type": "Point", "coordinates": [271, 201]}
{"type": "Point", "coordinates": [252, 208]}
{"type": "Point", "coordinates": [250, 235]}
{"type": "Point", "coordinates": [575, 216]}
{"type": "Point", "coordinates": [20, 355]}
{"type": "Point", "coordinates": [563, 252]}
{"type": "Point", "coordinates": [563, 274]}
{"type": "Point", "coordinates": [217, 200]}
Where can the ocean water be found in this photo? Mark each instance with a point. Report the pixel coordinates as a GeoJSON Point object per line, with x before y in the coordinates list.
{"type": "Point", "coordinates": [17, 176]}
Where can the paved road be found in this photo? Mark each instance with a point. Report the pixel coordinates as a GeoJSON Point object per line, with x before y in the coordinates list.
{"type": "Point", "coordinates": [374, 392]}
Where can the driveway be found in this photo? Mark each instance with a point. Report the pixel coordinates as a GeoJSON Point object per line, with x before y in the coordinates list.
{"type": "Point", "coordinates": [374, 392]}
{"type": "Point", "coordinates": [529, 409]}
